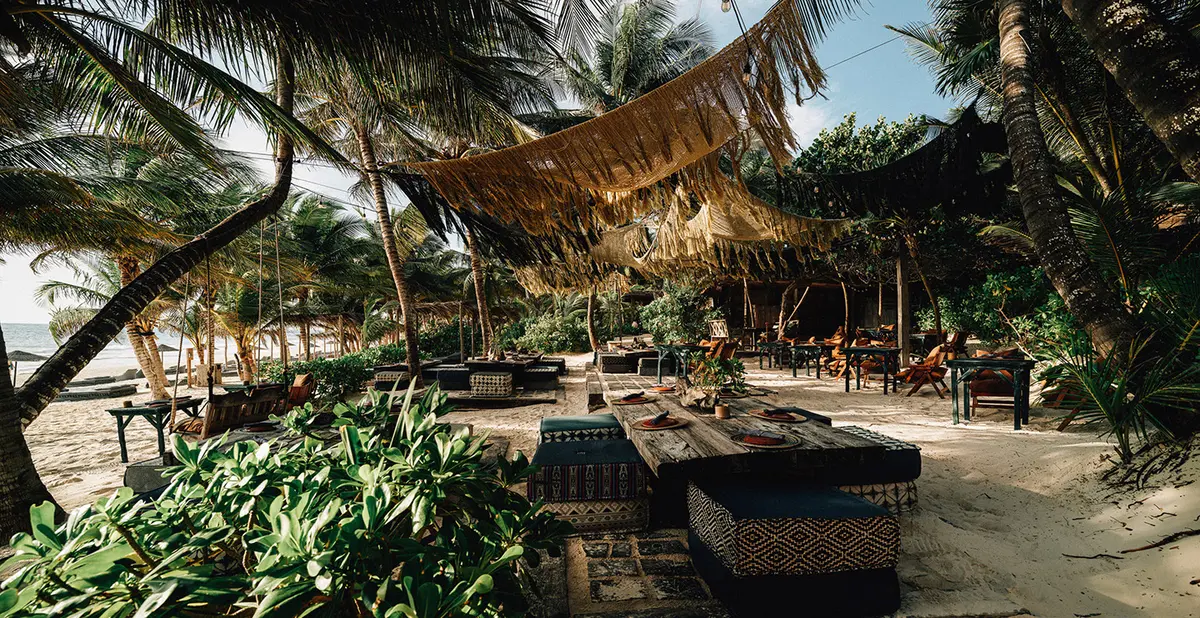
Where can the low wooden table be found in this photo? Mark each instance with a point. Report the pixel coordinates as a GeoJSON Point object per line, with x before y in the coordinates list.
{"type": "Point", "coordinates": [681, 352]}
{"type": "Point", "coordinates": [889, 357]}
{"type": "Point", "coordinates": [1015, 370]}
{"type": "Point", "coordinates": [238, 388]}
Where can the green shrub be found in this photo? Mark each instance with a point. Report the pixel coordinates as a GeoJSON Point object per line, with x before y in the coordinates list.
{"type": "Point", "coordinates": [391, 520]}
{"type": "Point", "coordinates": [336, 377]}
{"type": "Point", "coordinates": [680, 314]}
{"type": "Point", "coordinates": [508, 336]}
{"type": "Point", "coordinates": [1036, 314]}
{"type": "Point", "coordinates": [554, 333]}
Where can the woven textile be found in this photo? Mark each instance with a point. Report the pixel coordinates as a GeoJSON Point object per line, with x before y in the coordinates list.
{"type": "Point", "coordinates": [489, 384]}
{"type": "Point", "coordinates": [454, 378]}
{"type": "Point", "coordinates": [895, 497]}
{"type": "Point", "coordinates": [615, 362]}
{"type": "Point", "coordinates": [590, 470]}
{"type": "Point", "coordinates": [540, 378]}
{"type": "Point", "coordinates": [604, 515]}
{"type": "Point", "coordinates": [609, 169]}
{"type": "Point", "coordinates": [792, 545]}
{"type": "Point", "coordinates": [582, 427]}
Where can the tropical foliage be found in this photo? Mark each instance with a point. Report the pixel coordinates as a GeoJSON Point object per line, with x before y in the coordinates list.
{"type": "Point", "coordinates": [398, 517]}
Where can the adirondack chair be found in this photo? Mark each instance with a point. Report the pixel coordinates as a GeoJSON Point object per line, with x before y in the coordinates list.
{"type": "Point", "coordinates": [233, 410]}
{"type": "Point", "coordinates": [929, 371]}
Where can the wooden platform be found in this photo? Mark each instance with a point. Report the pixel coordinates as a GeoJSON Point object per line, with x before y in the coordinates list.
{"type": "Point", "coordinates": [464, 400]}
{"type": "Point", "coordinates": [704, 447]}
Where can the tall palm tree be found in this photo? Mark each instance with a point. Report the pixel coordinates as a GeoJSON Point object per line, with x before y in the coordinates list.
{"type": "Point", "coordinates": [641, 47]}
{"type": "Point", "coordinates": [1148, 49]}
{"type": "Point", "coordinates": [1064, 258]}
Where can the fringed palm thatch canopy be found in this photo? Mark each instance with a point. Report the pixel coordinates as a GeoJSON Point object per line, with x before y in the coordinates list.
{"type": "Point", "coordinates": [653, 152]}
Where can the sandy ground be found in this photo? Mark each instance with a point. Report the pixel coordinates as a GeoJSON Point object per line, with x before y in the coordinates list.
{"type": "Point", "coordinates": [998, 508]}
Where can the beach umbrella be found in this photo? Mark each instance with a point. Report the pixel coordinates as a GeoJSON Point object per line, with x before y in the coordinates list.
{"type": "Point", "coordinates": [162, 352]}
{"type": "Point", "coordinates": [20, 356]}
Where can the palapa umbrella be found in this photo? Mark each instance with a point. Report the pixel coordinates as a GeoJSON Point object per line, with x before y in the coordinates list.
{"type": "Point", "coordinates": [162, 353]}
{"type": "Point", "coordinates": [20, 356]}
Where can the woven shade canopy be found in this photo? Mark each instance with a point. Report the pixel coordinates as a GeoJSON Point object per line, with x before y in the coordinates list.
{"type": "Point", "coordinates": [644, 155]}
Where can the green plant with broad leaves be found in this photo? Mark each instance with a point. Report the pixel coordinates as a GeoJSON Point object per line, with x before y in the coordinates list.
{"type": "Point", "coordinates": [716, 374]}
{"type": "Point", "coordinates": [396, 516]}
{"type": "Point", "coordinates": [680, 314]}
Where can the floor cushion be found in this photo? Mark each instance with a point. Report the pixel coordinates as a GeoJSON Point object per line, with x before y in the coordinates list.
{"type": "Point", "coordinates": [604, 515]}
{"type": "Point", "coordinates": [615, 362]}
{"type": "Point", "coordinates": [580, 427]}
{"type": "Point", "coordinates": [541, 378]}
{"type": "Point", "coordinates": [587, 470]}
{"type": "Point", "coordinates": [649, 366]}
{"type": "Point", "coordinates": [454, 378]}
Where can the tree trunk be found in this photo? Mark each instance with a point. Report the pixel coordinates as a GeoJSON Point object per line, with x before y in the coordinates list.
{"type": "Point", "coordinates": [395, 263]}
{"type": "Point", "coordinates": [911, 242]}
{"type": "Point", "coordinates": [20, 485]}
{"type": "Point", "coordinates": [151, 342]}
{"type": "Point", "coordinates": [128, 269]}
{"type": "Point", "coordinates": [591, 321]}
{"type": "Point", "coordinates": [846, 304]}
{"type": "Point", "coordinates": [85, 344]}
{"type": "Point", "coordinates": [1154, 62]}
{"type": "Point", "coordinates": [485, 316]}
{"type": "Point", "coordinates": [783, 306]}
{"type": "Point", "coordinates": [1066, 263]}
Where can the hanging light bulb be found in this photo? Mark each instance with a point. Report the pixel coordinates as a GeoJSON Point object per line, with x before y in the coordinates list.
{"type": "Point", "coordinates": [726, 6]}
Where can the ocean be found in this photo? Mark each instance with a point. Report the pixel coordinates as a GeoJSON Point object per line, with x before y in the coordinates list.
{"type": "Point", "coordinates": [113, 359]}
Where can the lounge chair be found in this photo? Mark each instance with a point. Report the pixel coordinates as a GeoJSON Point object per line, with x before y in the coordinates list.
{"type": "Point", "coordinates": [929, 371]}
{"type": "Point", "coordinates": [302, 388]}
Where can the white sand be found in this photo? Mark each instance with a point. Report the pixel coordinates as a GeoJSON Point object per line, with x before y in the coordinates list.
{"type": "Point", "coordinates": [998, 508]}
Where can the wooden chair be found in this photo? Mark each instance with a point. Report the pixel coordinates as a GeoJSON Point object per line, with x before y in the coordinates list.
{"type": "Point", "coordinates": [718, 329]}
{"type": "Point", "coordinates": [838, 362]}
{"type": "Point", "coordinates": [929, 371]}
{"type": "Point", "coordinates": [302, 388]}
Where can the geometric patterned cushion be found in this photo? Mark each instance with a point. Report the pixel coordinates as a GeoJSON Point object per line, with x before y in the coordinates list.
{"type": "Point", "coordinates": [895, 497]}
{"type": "Point", "coordinates": [614, 362]}
{"type": "Point", "coordinates": [587, 470]}
{"type": "Point", "coordinates": [491, 384]}
{"type": "Point", "coordinates": [581, 427]}
{"type": "Point", "coordinates": [604, 515]}
{"type": "Point", "coordinates": [901, 461]}
{"type": "Point", "coordinates": [828, 531]}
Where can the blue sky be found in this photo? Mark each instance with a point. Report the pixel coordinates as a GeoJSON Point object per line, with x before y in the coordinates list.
{"type": "Point", "coordinates": [881, 82]}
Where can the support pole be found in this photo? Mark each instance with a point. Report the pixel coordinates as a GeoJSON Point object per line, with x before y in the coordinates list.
{"type": "Point", "coordinates": [903, 313]}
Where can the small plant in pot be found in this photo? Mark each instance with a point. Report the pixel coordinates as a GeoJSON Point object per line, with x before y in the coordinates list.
{"type": "Point", "coordinates": [713, 377]}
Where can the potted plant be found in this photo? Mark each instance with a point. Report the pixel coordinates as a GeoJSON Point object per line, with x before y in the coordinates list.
{"type": "Point", "coordinates": [710, 377]}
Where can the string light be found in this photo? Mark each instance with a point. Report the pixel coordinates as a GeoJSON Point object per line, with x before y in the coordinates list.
{"type": "Point", "coordinates": [726, 6]}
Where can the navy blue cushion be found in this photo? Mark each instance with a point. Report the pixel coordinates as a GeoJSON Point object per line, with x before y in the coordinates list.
{"type": "Point", "coordinates": [586, 452]}
{"type": "Point", "coordinates": [747, 498]}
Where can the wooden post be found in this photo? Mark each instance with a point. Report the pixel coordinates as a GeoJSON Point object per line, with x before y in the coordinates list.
{"type": "Point", "coordinates": [903, 313]}
{"type": "Point", "coordinates": [189, 368]}
{"type": "Point", "coordinates": [462, 343]}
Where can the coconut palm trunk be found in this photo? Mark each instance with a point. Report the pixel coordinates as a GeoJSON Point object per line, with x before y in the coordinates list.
{"type": "Point", "coordinates": [20, 485]}
{"type": "Point", "coordinates": [395, 263]}
{"type": "Point", "coordinates": [1154, 62]}
{"type": "Point", "coordinates": [128, 268]}
{"type": "Point", "coordinates": [151, 342]}
{"type": "Point", "coordinates": [485, 316]}
{"type": "Point", "coordinates": [593, 339]}
{"type": "Point", "coordinates": [1063, 257]}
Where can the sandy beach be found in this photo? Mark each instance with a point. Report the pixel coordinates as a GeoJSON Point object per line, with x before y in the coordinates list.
{"type": "Point", "coordinates": [1008, 522]}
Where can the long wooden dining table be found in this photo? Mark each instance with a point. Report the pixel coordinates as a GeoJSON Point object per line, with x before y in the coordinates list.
{"type": "Point", "coordinates": [705, 446]}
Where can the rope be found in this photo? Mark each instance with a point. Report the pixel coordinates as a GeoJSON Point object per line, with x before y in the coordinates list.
{"type": "Point", "coordinates": [258, 320]}
{"type": "Point", "coordinates": [283, 351]}
{"type": "Point", "coordinates": [187, 291]}
{"type": "Point", "coordinates": [211, 321]}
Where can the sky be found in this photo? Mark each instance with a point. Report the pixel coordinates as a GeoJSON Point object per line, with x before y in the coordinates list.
{"type": "Point", "coordinates": [881, 82]}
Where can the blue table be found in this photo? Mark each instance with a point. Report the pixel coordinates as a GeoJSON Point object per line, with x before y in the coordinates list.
{"type": "Point", "coordinates": [681, 352]}
{"type": "Point", "coordinates": [888, 357]}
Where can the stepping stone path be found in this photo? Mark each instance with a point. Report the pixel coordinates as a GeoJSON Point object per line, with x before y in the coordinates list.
{"type": "Point", "coordinates": [639, 575]}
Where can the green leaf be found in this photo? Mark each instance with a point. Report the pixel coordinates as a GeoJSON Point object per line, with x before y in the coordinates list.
{"type": "Point", "coordinates": [41, 519]}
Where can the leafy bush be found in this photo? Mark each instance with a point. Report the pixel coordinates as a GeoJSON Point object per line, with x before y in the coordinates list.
{"type": "Point", "coordinates": [1036, 314]}
{"type": "Point", "coordinates": [714, 374]}
{"type": "Point", "coordinates": [336, 377]}
{"type": "Point", "coordinates": [389, 521]}
{"type": "Point", "coordinates": [507, 338]}
{"type": "Point", "coordinates": [555, 333]}
{"type": "Point", "coordinates": [680, 314]}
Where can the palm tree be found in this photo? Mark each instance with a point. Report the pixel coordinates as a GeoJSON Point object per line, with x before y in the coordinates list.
{"type": "Point", "coordinates": [100, 279]}
{"type": "Point", "coordinates": [1151, 55]}
{"type": "Point", "coordinates": [641, 47]}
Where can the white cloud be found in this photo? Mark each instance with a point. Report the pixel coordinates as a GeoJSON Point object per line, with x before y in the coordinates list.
{"type": "Point", "coordinates": [807, 120]}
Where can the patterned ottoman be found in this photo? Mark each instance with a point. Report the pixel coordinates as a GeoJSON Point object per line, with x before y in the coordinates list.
{"type": "Point", "coordinates": [454, 378]}
{"type": "Point", "coordinates": [541, 378]}
{"type": "Point", "coordinates": [891, 485]}
{"type": "Point", "coordinates": [491, 384]}
{"type": "Point", "coordinates": [557, 362]}
{"type": "Point", "coordinates": [587, 470]}
{"type": "Point", "coordinates": [391, 377]}
{"type": "Point", "coordinates": [604, 515]}
{"type": "Point", "coordinates": [580, 427]}
{"type": "Point", "coordinates": [827, 552]}
{"type": "Point", "coordinates": [616, 362]}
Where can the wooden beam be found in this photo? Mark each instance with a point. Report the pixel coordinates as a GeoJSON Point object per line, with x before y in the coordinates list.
{"type": "Point", "coordinates": [903, 313]}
